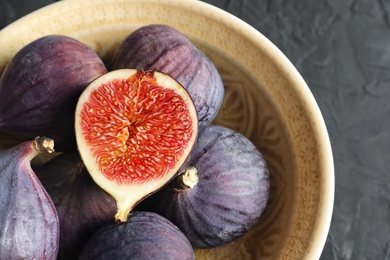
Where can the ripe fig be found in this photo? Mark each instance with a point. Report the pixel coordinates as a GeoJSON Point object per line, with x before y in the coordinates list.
{"type": "Point", "coordinates": [134, 130]}
{"type": "Point", "coordinates": [145, 235]}
{"type": "Point", "coordinates": [82, 206]}
{"type": "Point", "coordinates": [163, 48]}
{"type": "Point", "coordinates": [40, 86]}
{"type": "Point", "coordinates": [230, 189]}
{"type": "Point", "coordinates": [29, 222]}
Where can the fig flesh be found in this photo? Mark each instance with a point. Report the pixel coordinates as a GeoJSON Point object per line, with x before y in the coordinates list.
{"type": "Point", "coordinates": [163, 48]}
{"type": "Point", "coordinates": [40, 86]}
{"type": "Point", "coordinates": [82, 206]}
{"type": "Point", "coordinates": [229, 197]}
{"type": "Point", "coordinates": [145, 235]}
{"type": "Point", "coordinates": [29, 221]}
{"type": "Point", "coordinates": [134, 130]}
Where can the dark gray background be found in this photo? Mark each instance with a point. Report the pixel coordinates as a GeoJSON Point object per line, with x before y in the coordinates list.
{"type": "Point", "coordinates": [342, 49]}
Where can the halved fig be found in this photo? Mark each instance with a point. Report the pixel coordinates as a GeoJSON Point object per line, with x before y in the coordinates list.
{"type": "Point", "coordinates": [134, 130]}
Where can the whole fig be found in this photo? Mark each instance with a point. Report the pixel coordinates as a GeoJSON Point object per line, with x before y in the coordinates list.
{"type": "Point", "coordinates": [145, 235]}
{"type": "Point", "coordinates": [163, 48]}
{"type": "Point", "coordinates": [40, 86]}
{"type": "Point", "coordinates": [82, 206]}
{"type": "Point", "coordinates": [230, 189]}
{"type": "Point", "coordinates": [29, 226]}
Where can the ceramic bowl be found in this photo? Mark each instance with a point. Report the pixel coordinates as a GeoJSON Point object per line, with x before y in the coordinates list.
{"type": "Point", "coordinates": [266, 99]}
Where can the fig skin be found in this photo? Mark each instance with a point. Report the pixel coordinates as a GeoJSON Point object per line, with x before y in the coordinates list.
{"type": "Point", "coordinates": [82, 206]}
{"type": "Point", "coordinates": [159, 47]}
{"type": "Point", "coordinates": [145, 235]}
{"type": "Point", "coordinates": [40, 86]}
{"type": "Point", "coordinates": [29, 221]}
{"type": "Point", "coordinates": [230, 196]}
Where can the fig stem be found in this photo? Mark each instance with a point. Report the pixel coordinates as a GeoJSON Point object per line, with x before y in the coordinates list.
{"type": "Point", "coordinates": [187, 179]}
{"type": "Point", "coordinates": [121, 217]}
{"type": "Point", "coordinates": [44, 144]}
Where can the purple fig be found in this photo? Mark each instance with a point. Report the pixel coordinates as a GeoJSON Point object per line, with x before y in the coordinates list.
{"type": "Point", "coordinates": [145, 235]}
{"type": "Point", "coordinates": [163, 48]}
{"type": "Point", "coordinates": [230, 189]}
{"type": "Point", "coordinates": [29, 226]}
{"type": "Point", "coordinates": [40, 86]}
{"type": "Point", "coordinates": [83, 207]}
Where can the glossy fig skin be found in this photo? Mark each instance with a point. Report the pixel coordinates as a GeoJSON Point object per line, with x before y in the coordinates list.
{"type": "Point", "coordinates": [83, 207]}
{"type": "Point", "coordinates": [29, 226]}
{"type": "Point", "coordinates": [145, 235]}
{"type": "Point", "coordinates": [40, 86]}
{"type": "Point", "coordinates": [231, 194]}
{"type": "Point", "coordinates": [163, 48]}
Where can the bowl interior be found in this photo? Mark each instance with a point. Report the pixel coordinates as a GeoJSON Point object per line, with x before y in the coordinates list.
{"type": "Point", "coordinates": [266, 100]}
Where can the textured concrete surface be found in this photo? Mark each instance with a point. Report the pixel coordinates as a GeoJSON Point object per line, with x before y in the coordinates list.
{"type": "Point", "coordinates": [342, 49]}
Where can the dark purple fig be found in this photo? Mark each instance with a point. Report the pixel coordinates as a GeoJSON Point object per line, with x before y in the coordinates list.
{"type": "Point", "coordinates": [82, 206]}
{"type": "Point", "coordinates": [145, 235]}
{"type": "Point", "coordinates": [40, 87]}
{"type": "Point", "coordinates": [229, 196]}
{"type": "Point", "coordinates": [29, 226]}
{"type": "Point", "coordinates": [163, 48]}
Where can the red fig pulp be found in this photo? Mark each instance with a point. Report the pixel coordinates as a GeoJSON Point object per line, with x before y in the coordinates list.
{"type": "Point", "coordinates": [134, 130]}
{"type": "Point", "coordinates": [82, 206]}
{"type": "Point", "coordinates": [40, 86]}
{"type": "Point", "coordinates": [29, 222]}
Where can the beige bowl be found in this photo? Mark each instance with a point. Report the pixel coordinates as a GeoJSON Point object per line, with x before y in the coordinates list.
{"type": "Point", "coordinates": [266, 100]}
